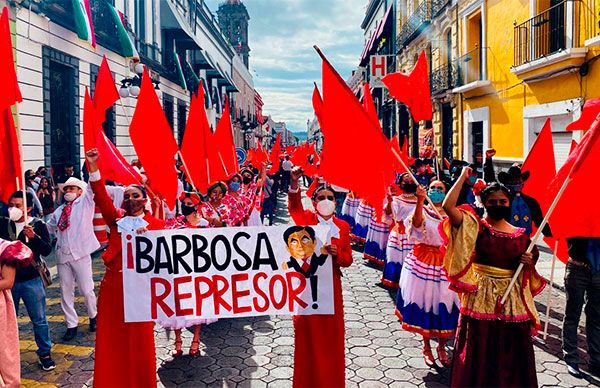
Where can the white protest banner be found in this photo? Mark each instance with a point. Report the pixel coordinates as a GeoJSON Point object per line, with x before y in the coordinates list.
{"type": "Point", "coordinates": [226, 272]}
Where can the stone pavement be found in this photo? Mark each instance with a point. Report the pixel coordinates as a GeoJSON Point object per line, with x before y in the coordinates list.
{"type": "Point", "coordinates": [258, 352]}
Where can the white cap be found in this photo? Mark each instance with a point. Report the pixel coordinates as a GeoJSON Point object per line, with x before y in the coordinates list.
{"type": "Point", "coordinates": [75, 182]}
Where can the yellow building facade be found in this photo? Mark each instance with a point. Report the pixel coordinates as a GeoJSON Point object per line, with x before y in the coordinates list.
{"type": "Point", "coordinates": [499, 69]}
{"type": "Point", "coordinates": [532, 60]}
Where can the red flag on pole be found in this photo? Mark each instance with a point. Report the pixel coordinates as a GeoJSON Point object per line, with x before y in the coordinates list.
{"type": "Point", "coordinates": [274, 157]}
{"type": "Point", "coordinates": [260, 156]}
{"type": "Point", "coordinates": [91, 126]}
{"type": "Point", "coordinates": [540, 163]}
{"type": "Point", "coordinates": [413, 89]}
{"type": "Point", "coordinates": [349, 131]}
{"type": "Point", "coordinates": [149, 128]}
{"type": "Point", "coordinates": [573, 216]}
{"type": "Point", "coordinates": [11, 94]}
{"type": "Point", "coordinates": [112, 165]}
{"type": "Point", "coordinates": [10, 156]}
{"type": "Point", "coordinates": [369, 105]}
{"type": "Point", "coordinates": [105, 91]}
{"type": "Point", "coordinates": [194, 143]}
{"type": "Point", "coordinates": [223, 141]}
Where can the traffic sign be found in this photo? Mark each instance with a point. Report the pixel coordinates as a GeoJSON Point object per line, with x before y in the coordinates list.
{"type": "Point", "coordinates": [241, 155]}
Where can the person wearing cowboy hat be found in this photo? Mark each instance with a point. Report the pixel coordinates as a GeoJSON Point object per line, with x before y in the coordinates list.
{"type": "Point", "coordinates": [525, 210]}
{"type": "Point", "coordinates": [72, 223]}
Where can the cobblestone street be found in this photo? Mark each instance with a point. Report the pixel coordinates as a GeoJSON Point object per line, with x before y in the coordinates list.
{"type": "Point", "coordinates": [258, 352]}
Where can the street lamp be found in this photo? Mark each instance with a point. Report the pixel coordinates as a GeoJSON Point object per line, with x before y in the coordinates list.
{"type": "Point", "coordinates": [131, 86]}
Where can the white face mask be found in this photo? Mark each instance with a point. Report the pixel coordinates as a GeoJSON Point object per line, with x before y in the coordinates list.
{"type": "Point", "coordinates": [70, 197]}
{"type": "Point", "coordinates": [326, 207]}
{"type": "Point", "coordinates": [15, 214]}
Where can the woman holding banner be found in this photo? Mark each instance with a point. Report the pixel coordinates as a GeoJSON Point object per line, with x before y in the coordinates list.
{"type": "Point", "coordinates": [190, 218]}
{"type": "Point", "coordinates": [319, 345]}
{"type": "Point", "coordinates": [481, 258]}
{"type": "Point", "coordinates": [125, 352]}
{"type": "Point", "coordinates": [425, 305]}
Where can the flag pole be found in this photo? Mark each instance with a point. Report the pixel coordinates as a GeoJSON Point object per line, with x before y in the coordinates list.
{"type": "Point", "coordinates": [21, 163]}
{"type": "Point", "coordinates": [551, 282]}
{"type": "Point", "coordinates": [536, 237]}
{"type": "Point", "coordinates": [437, 212]}
{"type": "Point", "coordinates": [187, 172]}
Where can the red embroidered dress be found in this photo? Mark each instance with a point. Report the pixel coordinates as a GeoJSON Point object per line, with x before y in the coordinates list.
{"type": "Point", "coordinates": [228, 211]}
{"type": "Point", "coordinates": [480, 262]}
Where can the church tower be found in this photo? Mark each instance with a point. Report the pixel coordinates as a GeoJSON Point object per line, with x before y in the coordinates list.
{"type": "Point", "coordinates": [233, 19]}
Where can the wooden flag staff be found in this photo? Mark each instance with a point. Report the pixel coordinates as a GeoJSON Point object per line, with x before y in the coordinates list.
{"type": "Point", "coordinates": [550, 290]}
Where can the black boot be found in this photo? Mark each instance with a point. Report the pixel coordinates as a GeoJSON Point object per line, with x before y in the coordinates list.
{"type": "Point", "coordinates": [70, 334]}
{"type": "Point", "coordinates": [92, 325]}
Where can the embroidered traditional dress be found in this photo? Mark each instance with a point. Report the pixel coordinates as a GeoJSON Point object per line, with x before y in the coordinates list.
{"type": "Point", "coordinates": [349, 209]}
{"type": "Point", "coordinates": [14, 254]}
{"type": "Point", "coordinates": [480, 263]}
{"type": "Point", "coordinates": [377, 238]}
{"type": "Point", "coordinates": [425, 304]}
{"type": "Point", "coordinates": [398, 245]}
{"type": "Point", "coordinates": [364, 213]}
{"type": "Point", "coordinates": [228, 211]}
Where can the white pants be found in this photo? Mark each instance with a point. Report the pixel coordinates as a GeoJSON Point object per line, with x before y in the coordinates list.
{"type": "Point", "coordinates": [79, 271]}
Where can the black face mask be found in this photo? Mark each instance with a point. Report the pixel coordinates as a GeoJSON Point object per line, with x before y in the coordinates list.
{"type": "Point", "coordinates": [498, 213]}
{"type": "Point", "coordinates": [246, 180]}
{"type": "Point", "coordinates": [409, 188]}
{"type": "Point", "coordinates": [187, 210]}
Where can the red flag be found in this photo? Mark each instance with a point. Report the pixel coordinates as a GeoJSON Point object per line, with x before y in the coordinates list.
{"type": "Point", "coordinates": [591, 109]}
{"type": "Point", "coordinates": [300, 155]}
{"type": "Point", "coordinates": [223, 141]}
{"type": "Point", "coordinates": [11, 94]}
{"type": "Point", "coordinates": [260, 156]}
{"type": "Point", "coordinates": [573, 146]}
{"type": "Point", "coordinates": [194, 143]}
{"type": "Point", "coordinates": [91, 128]}
{"type": "Point", "coordinates": [10, 157]}
{"type": "Point", "coordinates": [540, 163]}
{"type": "Point", "coordinates": [112, 165]}
{"type": "Point", "coordinates": [274, 157]}
{"type": "Point", "coordinates": [369, 105]}
{"type": "Point", "coordinates": [105, 92]}
{"type": "Point", "coordinates": [345, 120]}
{"type": "Point", "coordinates": [447, 163]}
{"type": "Point", "coordinates": [313, 186]}
{"type": "Point", "coordinates": [574, 216]}
{"type": "Point", "coordinates": [413, 89]}
{"type": "Point", "coordinates": [317, 103]}
{"type": "Point", "coordinates": [250, 156]}
{"type": "Point", "coordinates": [395, 144]}
{"type": "Point", "coordinates": [149, 128]}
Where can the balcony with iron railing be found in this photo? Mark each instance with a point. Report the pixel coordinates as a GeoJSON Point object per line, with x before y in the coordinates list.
{"type": "Point", "coordinates": [443, 78]}
{"type": "Point", "coordinates": [470, 71]}
{"type": "Point", "coordinates": [437, 6]}
{"type": "Point", "coordinates": [416, 22]}
{"type": "Point", "coordinates": [550, 37]}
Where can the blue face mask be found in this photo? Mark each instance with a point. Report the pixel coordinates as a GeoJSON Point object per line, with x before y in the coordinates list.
{"type": "Point", "coordinates": [437, 196]}
{"type": "Point", "coordinates": [472, 180]}
{"type": "Point", "coordinates": [234, 186]}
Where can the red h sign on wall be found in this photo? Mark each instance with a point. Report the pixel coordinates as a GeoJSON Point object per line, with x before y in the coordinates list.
{"type": "Point", "coordinates": [377, 70]}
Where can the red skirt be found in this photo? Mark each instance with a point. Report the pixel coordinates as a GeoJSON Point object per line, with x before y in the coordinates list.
{"type": "Point", "coordinates": [125, 353]}
{"type": "Point", "coordinates": [493, 354]}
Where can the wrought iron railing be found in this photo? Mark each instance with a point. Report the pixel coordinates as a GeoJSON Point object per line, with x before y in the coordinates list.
{"type": "Point", "coordinates": [591, 18]}
{"type": "Point", "coordinates": [443, 78]}
{"type": "Point", "coordinates": [469, 67]}
{"type": "Point", "coordinates": [437, 6]}
{"type": "Point", "coordinates": [556, 29]}
{"type": "Point", "coordinates": [414, 24]}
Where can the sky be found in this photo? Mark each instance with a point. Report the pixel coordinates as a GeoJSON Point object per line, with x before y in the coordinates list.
{"type": "Point", "coordinates": [283, 62]}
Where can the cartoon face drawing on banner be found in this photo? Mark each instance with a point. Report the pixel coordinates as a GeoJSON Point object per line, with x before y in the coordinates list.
{"type": "Point", "coordinates": [301, 243]}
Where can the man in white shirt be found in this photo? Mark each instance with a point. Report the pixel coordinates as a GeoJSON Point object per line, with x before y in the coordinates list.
{"type": "Point", "coordinates": [286, 166]}
{"type": "Point", "coordinates": [73, 226]}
